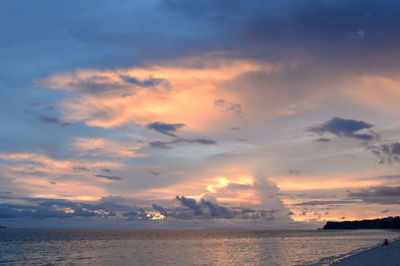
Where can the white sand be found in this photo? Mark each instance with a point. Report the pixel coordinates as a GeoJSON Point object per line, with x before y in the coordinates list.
{"type": "Point", "coordinates": [379, 256]}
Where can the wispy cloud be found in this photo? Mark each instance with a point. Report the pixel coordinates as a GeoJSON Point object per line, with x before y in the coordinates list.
{"type": "Point", "coordinates": [378, 195]}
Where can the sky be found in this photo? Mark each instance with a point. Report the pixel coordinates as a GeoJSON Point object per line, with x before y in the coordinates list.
{"type": "Point", "coordinates": [198, 114]}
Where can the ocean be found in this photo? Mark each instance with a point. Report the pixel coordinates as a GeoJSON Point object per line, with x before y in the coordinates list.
{"type": "Point", "coordinates": [182, 247]}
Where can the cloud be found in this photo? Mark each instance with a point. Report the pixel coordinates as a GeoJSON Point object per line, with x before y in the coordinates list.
{"type": "Point", "coordinates": [387, 153]}
{"type": "Point", "coordinates": [387, 177]}
{"type": "Point", "coordinates": [194, 84]}
{"type": "Point", "coordinates": [294, 172]}
{"type": "Point", "coordinates": [344, 128]}
{"type": "Point", "coordinates": [356, 35]}
{"type": "Point", "coordinates": [198, 141]}
{"type": "Point", "coordinates": [325, 202]}
{"type": "Point", "coordinates": [34, 172]}
{"type": "Point", "coordinates": [121, 208]}
{"type": "Point", "coordinates": [322, 140]}
{"type": "Point", "coordinates": [204, 209]}
{"type": "Point", "coordinates": [42, 208]}
{"type": "Point", "coordinates": [164, 128]}
{"type": "Point", "coordinates": [109, 177]}
{"type": "Point", "coordinates": [81, 168]}
{"type": "Point", "coordinates": [53, 120]}
{"type": "Point", "coordinates": [225, 106]}
{"type": "Point", "coordinates": [145, 83]}
{"type": "Point", "coordinates": [160, 145]}
{"type": "Point", "coordinates": [167, 145]}
{"type": "Point", "coordinates": [94, 147]}
{"type": "Point", "coordinates": [378, 195]}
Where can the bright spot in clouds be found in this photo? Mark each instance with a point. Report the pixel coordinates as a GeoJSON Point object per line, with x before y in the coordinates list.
{"type": "Point", "coordinates": [168, 115]}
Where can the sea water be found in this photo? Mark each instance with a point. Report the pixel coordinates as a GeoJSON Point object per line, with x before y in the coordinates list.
{"type": "Point", "coordinates": [182, 247]}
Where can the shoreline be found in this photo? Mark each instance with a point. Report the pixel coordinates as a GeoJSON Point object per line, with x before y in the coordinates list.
{"type": "Point", "coordinates": [375, 255]}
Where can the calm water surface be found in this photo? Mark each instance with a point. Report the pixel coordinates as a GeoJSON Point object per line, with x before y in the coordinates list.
{"type": "Point", "coordinates": [192, 247]}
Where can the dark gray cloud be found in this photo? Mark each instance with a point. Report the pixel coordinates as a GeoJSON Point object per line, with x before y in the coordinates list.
{"type": "Point", "coordinates": [330, 31]}
{"type": "Point", "coordinates": [198, 141]}
{"type": "Point", "coordinates": [154, 173]}
{"type": "Point", "coordinates": [109, 177]}
{"type": "Point", "coordinates": [294, 172]}
{"type": "Point", "coordinates": [42, 208]}
{"type": "Point", "coordinates": [53, 120]}
{"type": "Point", "coordinates": [112, 37]}
{"type": "Point", "coordinates": [160, 209]}
{"type": "Point", "coordinates": [325, 202]}
{"type": "Point", "coordinates": [344, 128]}
{"type": "Point", "coordinates": [160, 145]}
{"type": "Point", "coordinates": [164, 128]}
{"type": "Point", "coordinates": [147, 83]}
{"type": "Point", "coordinates": [387, 153]}
{"type": "Point", "coordinates": [322, 140]}
{"type": "Point", "coordinates": [167, 145]}
{"type": "Point", "coordinates": [379, 195]}
{"type": "Point", "coordinates": [81, 168]}
{"type": "Point", "coordinates": [204, 209]}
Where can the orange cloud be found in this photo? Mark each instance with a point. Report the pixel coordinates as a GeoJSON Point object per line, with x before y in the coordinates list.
{"type": "Point", "coordinates": [187, 93]}
{"type": "Point", "coordinates": [98, 146]}
{"type": "Point", "coordinates": [377, 92]}
{"type": "Point", "coordinates": [38, 162]}
{"type": "Point", "coordinates": [67, 189]}
{"type": "Point", "coordinates": [44, 176]}
{"type": "Point", "coordinates": [318, 183]}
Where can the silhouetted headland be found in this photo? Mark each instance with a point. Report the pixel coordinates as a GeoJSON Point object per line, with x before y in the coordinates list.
{"type": "Point", "coordinates": [383, 223]}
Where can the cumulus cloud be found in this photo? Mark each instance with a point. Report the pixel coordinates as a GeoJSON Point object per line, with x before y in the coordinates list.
{"type": "Point", "coordinates": [344, 128]}
{"type": "Point", "coordinates": [378, 195]}
{"type": "Point", "coordinates": [189, 209]}
{"type": "Point", "coordinates": [204, 209]}
{"type": "Point", "coordinates": [164, 128]}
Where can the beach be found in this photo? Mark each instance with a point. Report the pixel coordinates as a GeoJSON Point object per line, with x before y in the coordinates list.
{"type": "Point", "coordinates": [380, 255]}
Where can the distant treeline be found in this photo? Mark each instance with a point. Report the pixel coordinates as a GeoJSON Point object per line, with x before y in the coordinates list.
{"type": "Point", "coordinates": [384, 223]}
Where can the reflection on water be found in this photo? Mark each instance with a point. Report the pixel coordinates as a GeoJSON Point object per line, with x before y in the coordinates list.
{"type": "Point", "coordinates": [158, 247]}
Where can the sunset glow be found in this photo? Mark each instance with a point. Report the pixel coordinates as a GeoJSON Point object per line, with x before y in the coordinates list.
{"type": "Point", "coordinates": [211, 113]}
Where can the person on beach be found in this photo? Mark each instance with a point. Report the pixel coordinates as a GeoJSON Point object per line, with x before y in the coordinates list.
{"type": "Point", "coordinates": [385, 242]}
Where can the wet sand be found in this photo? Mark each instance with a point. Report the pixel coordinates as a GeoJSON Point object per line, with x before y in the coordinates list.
{"type": "Point", "coordinates": [378, 256]}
